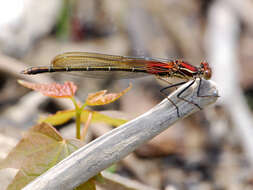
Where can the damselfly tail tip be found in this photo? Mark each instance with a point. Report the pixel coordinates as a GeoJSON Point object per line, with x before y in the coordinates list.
{"type": "Point", "coordinates": [25, 72]}
{"type": "Point", "coordinates": [32, 71]}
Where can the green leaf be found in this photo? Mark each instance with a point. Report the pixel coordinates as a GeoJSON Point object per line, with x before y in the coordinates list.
{"type": "Point", "coordinates": [88, 185]}
{"type": "Point", "coordinates": [59, 118]}
{"type": "Point", "coordinates": [112, 168]}
{"type": "Point", "coordinates": [63, 116]}
{"type": "Point", "coordinates": [40, 149]}
{"type": "Point", "coordinates": [99, 117]}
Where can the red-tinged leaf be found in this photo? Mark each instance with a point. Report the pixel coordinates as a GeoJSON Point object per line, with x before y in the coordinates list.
{"type": "Point", "coordinates": [101, 98]}
{"type": "Point", "coordinates": [63, 116]}
{"type": "Point", "coordinates": [40, 149]}
{"type": "Point", "coordinates": [66, 90]}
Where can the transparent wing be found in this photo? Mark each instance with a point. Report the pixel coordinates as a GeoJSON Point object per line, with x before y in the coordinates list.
{"type": "Point", "coordinates": [96, 65]}
{"type": "Point", "coordinates": [85, 59]}
{"type": "Point", "coordinates": [105, 74]}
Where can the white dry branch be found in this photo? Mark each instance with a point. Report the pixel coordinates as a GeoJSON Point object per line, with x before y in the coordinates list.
{"type": "Point", "coordinates": [118, 143]}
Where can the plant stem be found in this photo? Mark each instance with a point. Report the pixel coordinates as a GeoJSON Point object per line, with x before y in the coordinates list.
{"type": "Point", "coordinates": [78, 117]}
{"type": "Point", "coordinates": [78, 124]}
{"type": "Point", "coordinates": [86, 126]}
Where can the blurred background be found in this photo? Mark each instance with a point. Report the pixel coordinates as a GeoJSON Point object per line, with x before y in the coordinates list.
{"type": "Point", "coordinates": [212, 149]}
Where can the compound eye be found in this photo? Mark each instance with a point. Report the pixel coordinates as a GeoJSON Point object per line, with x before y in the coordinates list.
{"type": "Point", "coordinates": [207, 71]}
{"type": "Point", "coordinates": [207, 74]}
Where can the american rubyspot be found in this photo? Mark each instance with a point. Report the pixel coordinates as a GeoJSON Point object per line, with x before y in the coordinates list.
{"type": "Point", "coordinates": [101, 65]}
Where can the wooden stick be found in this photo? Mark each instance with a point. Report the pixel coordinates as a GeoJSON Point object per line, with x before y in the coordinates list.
{"type": "Point", "coordinates": [118, 143]}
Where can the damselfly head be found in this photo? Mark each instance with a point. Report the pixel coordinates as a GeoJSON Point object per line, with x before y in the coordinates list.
{"type": "Point", "coordinates": [206, 70]}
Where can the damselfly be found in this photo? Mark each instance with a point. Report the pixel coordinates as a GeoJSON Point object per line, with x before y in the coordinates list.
{"type": "Point", "coordinates": [101, 65]}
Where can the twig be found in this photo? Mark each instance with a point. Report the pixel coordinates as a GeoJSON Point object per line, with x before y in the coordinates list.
{"type": "Point", "coordinates": [86, 126]}
{"type": "Point", "coordinates": [113, 146]}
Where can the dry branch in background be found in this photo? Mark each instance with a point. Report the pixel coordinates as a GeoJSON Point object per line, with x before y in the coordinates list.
{"type": "Point", "coordinates": [223, 33]}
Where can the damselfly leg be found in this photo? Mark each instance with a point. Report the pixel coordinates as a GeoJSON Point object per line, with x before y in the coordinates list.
{"type": "Point", "coordinates": [166, 94]}
{"type": "Point", "coordinates": [179, 95]}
